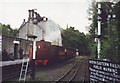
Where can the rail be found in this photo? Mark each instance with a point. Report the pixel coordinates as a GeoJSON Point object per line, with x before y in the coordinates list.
{"type": "Point", "coordinates": [71, 73]}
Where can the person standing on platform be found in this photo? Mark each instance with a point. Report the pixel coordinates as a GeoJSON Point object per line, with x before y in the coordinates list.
{"type": "Point", "coordinates": [31, 53]}
{"type": "Point", "coordinates": [21, 53]}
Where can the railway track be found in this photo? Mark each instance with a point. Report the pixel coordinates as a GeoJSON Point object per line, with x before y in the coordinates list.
{"type": "Point", "coordinates": [72, 72]}
{"type": "Point", "coordinates": [75, 72]}
{"type": "Point", "coordinates": [82, 74]}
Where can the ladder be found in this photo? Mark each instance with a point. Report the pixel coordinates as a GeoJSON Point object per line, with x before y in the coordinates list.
{"type": "Point", "coordinates": [24, 69]}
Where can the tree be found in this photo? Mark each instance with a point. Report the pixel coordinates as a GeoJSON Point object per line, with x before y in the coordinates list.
{"type": "Point", "coordinates": [74, 38]}
{"type": "Point", "coordinates": [7, 30]}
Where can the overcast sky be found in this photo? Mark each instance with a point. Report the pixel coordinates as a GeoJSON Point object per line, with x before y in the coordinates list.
{"type": "Point", "coordinates": [63, 12]}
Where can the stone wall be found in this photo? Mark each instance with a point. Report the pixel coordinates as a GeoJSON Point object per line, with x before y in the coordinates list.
{"type": "Point", "coordinates": [8, 45]}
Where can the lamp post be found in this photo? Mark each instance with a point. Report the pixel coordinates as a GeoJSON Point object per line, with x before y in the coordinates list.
{"type": "Point", "coordinates": [34, 55]}
{"type": "Point", "coordinates": [34, 44]}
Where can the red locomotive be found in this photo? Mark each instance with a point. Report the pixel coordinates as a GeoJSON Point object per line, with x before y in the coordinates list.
{"type": "Point", "coordinates": [47, 53]}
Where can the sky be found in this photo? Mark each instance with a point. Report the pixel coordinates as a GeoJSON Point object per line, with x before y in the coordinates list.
{"type": "Point", "coordinates": [63, 12]}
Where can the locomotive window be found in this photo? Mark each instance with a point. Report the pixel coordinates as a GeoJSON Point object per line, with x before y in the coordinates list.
{"type": "Point", "coordinates": [44, 45]}
{"type": "Point", "coordinates": [48, 44]}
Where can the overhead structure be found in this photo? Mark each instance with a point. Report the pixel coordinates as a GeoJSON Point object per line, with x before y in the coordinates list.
{"type": "Point", "coordinates": [42, 27]}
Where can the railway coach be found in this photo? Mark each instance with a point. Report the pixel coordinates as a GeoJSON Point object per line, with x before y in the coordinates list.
{"type": "Point", "coordinates": [47, 53]}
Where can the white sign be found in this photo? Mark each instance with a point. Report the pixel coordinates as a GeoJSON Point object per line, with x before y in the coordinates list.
{"type": "Point", "coordinates": [16, 42]}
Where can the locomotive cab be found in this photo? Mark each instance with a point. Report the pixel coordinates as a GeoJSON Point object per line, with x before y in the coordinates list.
{"type": "Point", "coordinates": [42, 53]}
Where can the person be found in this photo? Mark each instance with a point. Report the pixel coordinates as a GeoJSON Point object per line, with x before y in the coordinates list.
{"type": "Point", "coordinates": [21, 53]}
{"type": "Point", "coordinates": [32, 63]}
{"type": "Point", "coordinates": [5, 56]}
{"type": "Point", "coordinates": [30, 53]}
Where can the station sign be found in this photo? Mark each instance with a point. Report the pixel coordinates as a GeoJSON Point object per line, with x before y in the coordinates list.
{"type": "Point", "coordinates": [104, 71]}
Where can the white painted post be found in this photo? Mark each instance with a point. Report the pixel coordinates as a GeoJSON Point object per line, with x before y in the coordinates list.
{"type": "Point", "coordinates": [99, 32]}
{"type": "Point", "coordinates": [34, 49]}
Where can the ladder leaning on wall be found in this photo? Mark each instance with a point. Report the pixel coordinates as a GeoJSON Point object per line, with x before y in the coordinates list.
{"type": "Point", "coordinates": [24, 69]}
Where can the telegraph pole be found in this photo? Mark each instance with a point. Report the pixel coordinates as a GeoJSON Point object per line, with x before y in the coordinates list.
{"type": "Point", "coordinates": [99, 31]}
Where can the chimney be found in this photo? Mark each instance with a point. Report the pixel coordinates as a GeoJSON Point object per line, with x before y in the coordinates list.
{"type": "Point", "coordinates": [29, 11]}
{"type": "Point", "coordinates": [32, 14]}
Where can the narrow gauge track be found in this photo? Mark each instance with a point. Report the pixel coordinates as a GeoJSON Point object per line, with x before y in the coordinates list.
{"type": "Point", "coordinates": [71, 73]}
{"type": "Point", "coordinates": [82, 74]}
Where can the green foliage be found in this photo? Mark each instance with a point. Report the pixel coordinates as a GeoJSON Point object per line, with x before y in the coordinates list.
{"type": "Point", "coordinates": [7, 30]}
{"type": "Point", "coordinates": [73, 38]}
